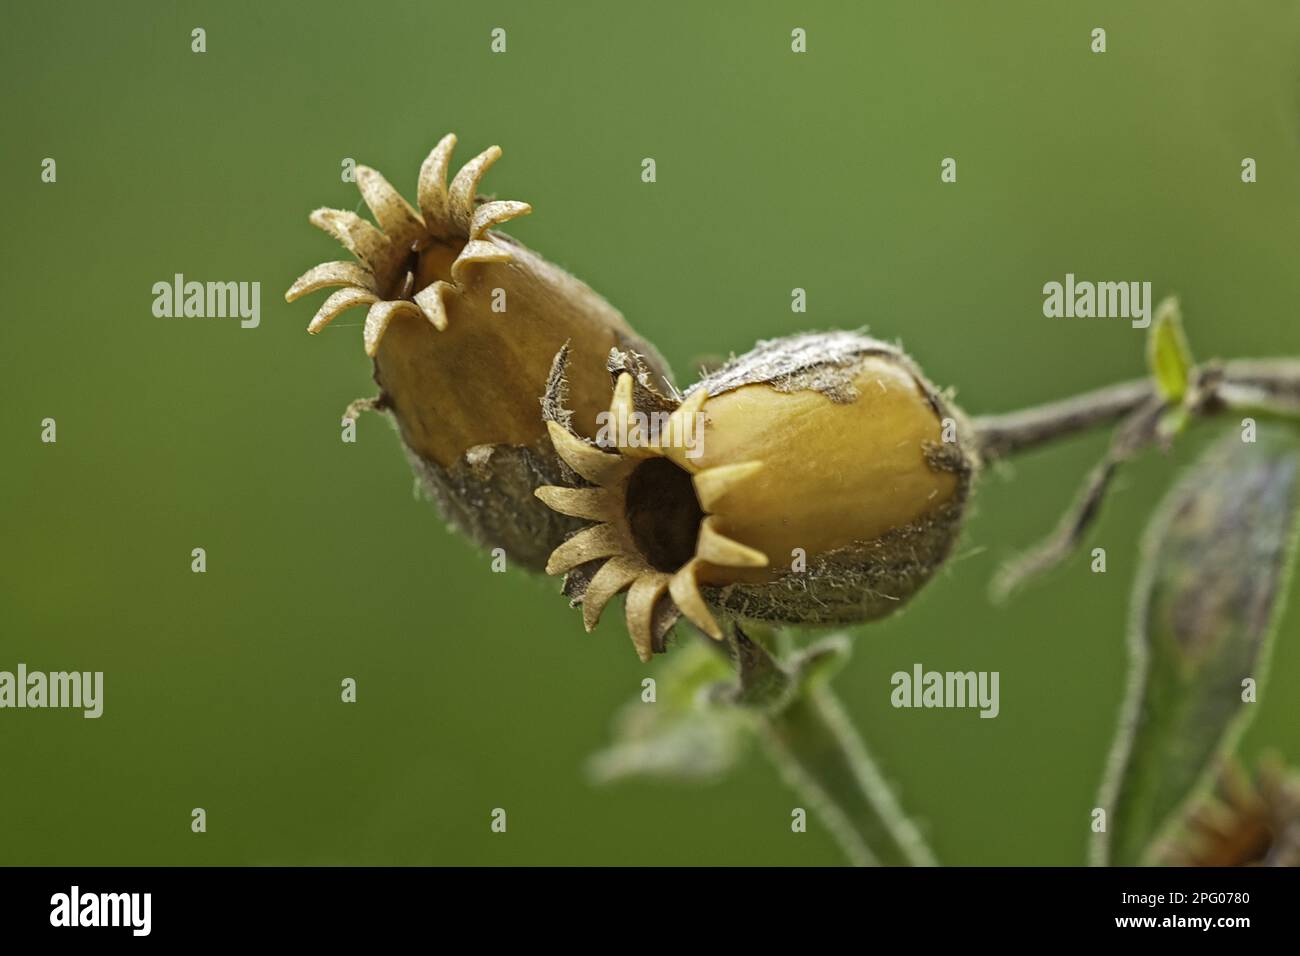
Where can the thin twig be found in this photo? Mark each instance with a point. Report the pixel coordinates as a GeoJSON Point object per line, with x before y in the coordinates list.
{"type": "Point", "coordinates": [1000, 436]}
{"type": "Point", "coordinates": [1268, 386]}
{"type": "Point", "coordinates": [1139, 431]}
{"type": "Point", "coordinates": [1263, 387]}
{"type": "Point", "coordinates": [819, 752]}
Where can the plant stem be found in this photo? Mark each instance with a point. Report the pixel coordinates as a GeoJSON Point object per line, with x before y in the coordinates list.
{"type": "Point", "coordinates": [1000, 436]}
{"type": "Point", "coordinates": [814, 745]}
{"type": "Point", "coordinates": [1265, 386]}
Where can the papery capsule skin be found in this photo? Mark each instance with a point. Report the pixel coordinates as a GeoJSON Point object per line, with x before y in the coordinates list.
{"type": "Point", "coordinates": [827, 486]}
{"type": "Point", "coordinates": [463, 324]}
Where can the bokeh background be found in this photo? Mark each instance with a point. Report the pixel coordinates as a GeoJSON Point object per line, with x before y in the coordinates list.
{"type": "Point", "coordinates": [775, 170]}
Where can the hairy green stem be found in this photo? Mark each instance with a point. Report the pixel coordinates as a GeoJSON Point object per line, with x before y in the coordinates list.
{"type": "Point", "coordinates": [819, 753]}
{"type": "Point", "coordinates": [814, 745]}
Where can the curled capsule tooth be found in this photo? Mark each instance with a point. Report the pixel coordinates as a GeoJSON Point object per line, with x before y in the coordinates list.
{"type": "Point", "coordinates": [615, 575]}
{"type": "Point", "coordinates": [599, 541]}
{"type": "Point", "coordinates": [336, 304]}
{"type": "Point", "coordinates": [492, 214]}
{"type": "Point", "coordinates": [359, 237]}
{"type": "Point", "coordinates": [432, 189]}
{"type": "Point", "coordinates": [377, 319]}
{"type": "Point", "coordinates": [713, 486]}
{"type": "Point", "coordinates": [682, 430]}
{"type": "Point", "coordinates": [716, 548]}
{"type": "Point", "coordinates": [330, 274]}
{"type": "Point", "coordinates": [594, 504]}
{"type": "Point", "coordinates": [464, 187]}
{"type": "Point", "coordinates": [603, 468]}
{"type": "Point", "coordinates": [629, 429]}
{"type": "Point", "coordinates": [685, 590]}
{"type": "Point", "coordinates": [430, 301]}
{"type": "Point", "coordinates": [478, 250]}
{"type": "Point", "coordinates": [641, 600]}
{"type": "Point", "coordinates": [399, 222]}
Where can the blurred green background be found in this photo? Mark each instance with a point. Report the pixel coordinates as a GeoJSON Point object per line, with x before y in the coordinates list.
{"type": "Point", "coordinates": [775, 170]}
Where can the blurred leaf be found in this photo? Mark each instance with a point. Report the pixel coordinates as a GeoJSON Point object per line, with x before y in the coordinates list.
{"type": "Point", "coordinates": [686, 734]}
{"type": "Point", "coordinates": [1172, 423]}
{"type": "Point", "coordinates": [820, 661]}
{"type": "Point", "coordinates": [1168, 354]}
{"type": "Point", "coordinates": [1216, 566]}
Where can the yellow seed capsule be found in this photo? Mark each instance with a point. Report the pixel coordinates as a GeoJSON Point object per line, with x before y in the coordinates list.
{"type": "Point", "coordinates": [819, 479]}
{"type": "Point", "coordinates": [463, 324]}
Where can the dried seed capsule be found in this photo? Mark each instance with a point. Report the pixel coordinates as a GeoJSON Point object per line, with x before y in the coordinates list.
{"type": "Point", "coordinates": [1244, 820]}
{"type": "Point", "coordinates": [819, 479]}
{"type": "Point", "coordinates": [463, 324]}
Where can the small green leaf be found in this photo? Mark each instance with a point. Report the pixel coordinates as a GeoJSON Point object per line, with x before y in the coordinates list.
{"type": "Point", "coordinates": [1216, 564]}
{"type": "Point", "coordinates": [821, 661]}
{"type": "Point", "coordinates": [1173, 422]}
{"type": "Point", "coordinates": [1168, 354]}
{"type": "Point", "coordinates": [683, 735]}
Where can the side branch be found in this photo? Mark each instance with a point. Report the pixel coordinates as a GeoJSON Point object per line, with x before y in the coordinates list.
{"type": "Point", "coordinates": [1263, 386]}
{"type": "Point", "coordinates": [1000, 436]}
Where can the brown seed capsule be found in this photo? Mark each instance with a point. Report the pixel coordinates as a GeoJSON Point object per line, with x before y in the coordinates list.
{"type": "Point", "coordinates": [819, 479]}
{"type": "Point", "coordinates": [1245, 820]}
{"type": "Point", "coordinates": [463, 324]}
